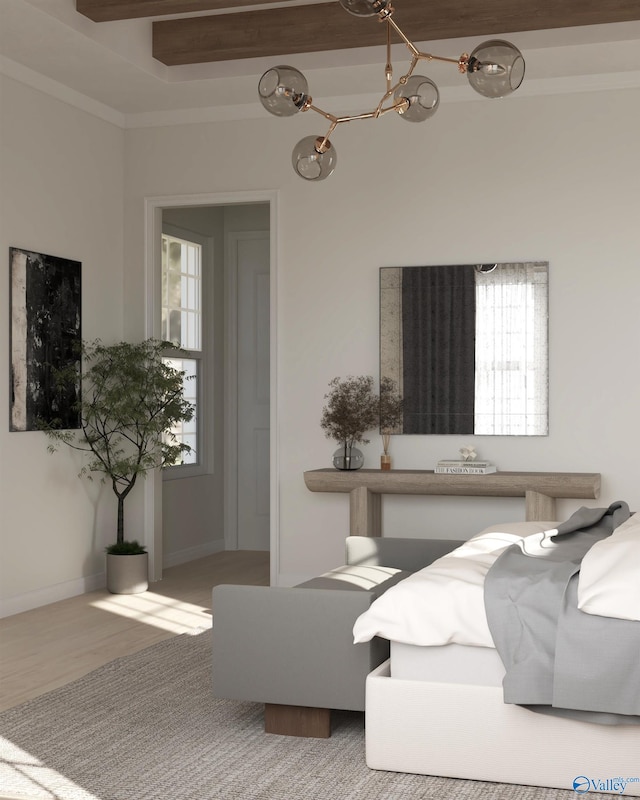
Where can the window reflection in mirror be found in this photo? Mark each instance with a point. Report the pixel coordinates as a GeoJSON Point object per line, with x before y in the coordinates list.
{"type": "Point", "coordinates": [467, 347]}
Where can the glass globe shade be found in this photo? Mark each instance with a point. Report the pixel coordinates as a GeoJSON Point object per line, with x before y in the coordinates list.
{"type": "Point", "coordinates": [364, 8]}
{"type": "Point", "coordinates": [423, 97]}
{"type": "Point", "coordinates": [311, 164]}
{"type": "Point", "coordinates": [495, 68]}
{"type": "Point", "coordinates": [283, 90]}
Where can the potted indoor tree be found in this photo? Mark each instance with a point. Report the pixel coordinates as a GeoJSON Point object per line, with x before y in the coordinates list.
{"type": "Point", "coordinates": [351, 410]}
{"type": "Point", "coordinates": [130, 399]}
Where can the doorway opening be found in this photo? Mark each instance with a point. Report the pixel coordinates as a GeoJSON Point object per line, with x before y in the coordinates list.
{"type": "Point", "coordinates": [225, 498]}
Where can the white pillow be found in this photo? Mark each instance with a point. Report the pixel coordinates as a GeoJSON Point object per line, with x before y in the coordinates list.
{"type": "Point", "coordinates": [609, 580]}
{"type": "Point", "coordinates": [444, 602]}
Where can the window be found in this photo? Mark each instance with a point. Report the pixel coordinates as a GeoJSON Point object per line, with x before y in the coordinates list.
{"type": "Point", "coordinates": [182, 315]}
{"type": "Point", "coordinates": [187, 432]}
{"type": "Point", "coordinates": [182, 292]}
{"type": "Point", "coordinates": [511, 350]}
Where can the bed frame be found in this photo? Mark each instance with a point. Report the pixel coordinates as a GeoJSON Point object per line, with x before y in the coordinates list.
{"type": "Point", "coordinates": [467, 731]}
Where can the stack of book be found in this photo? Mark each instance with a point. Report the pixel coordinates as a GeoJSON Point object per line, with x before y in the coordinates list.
{"type": "Point", "coordinates": [461, 467]}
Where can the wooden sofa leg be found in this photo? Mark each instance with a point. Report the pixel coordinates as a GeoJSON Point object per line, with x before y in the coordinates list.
{"type": "Point", "coordinates": [297, 721]}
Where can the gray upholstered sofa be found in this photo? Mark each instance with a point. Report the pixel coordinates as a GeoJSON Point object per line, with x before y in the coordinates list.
{"type": "Point", "coordinates": [292, 648]}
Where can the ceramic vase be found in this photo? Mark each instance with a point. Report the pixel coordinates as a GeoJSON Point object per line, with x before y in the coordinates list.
{"type": "Point", "coordinates": [127, 574]}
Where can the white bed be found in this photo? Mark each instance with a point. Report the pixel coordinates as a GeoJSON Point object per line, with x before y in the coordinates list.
{"type": "Point", "coordinates": [438, 710]}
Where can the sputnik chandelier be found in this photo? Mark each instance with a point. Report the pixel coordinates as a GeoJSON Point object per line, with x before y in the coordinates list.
{"type": "Point", "coordinates": [494, 69]}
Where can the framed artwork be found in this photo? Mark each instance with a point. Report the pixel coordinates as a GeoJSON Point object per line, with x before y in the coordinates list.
{"type": "Point", "coordinates": [45, 340]}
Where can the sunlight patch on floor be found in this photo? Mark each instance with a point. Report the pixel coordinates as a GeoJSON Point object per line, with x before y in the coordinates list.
{"type": "Point", "coordinates": [158, 610]}
{"type": "Point", "coordinates": [30, 779]}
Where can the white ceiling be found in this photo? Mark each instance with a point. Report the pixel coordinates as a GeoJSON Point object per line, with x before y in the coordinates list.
{"type": "Point", "coordinates": [110, 65]}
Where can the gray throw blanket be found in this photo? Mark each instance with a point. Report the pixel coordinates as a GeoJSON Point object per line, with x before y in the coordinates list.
{"type": "Point", "coordinates": [558, 659]}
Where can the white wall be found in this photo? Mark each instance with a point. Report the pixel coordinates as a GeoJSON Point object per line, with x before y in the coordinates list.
{"type": "Point", "coordinates": [528, 178]}
{"type": "Point", "coordinates": [61, 193]}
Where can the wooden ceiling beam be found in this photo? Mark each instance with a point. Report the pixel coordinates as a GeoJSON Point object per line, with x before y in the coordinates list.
{"type": "Point", "coordinates": [110, 10]}
{"type": "Point", "coordinates": [326, 26]}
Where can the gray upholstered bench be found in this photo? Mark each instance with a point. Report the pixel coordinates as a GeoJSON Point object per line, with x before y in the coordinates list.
{"type": "Point", "coordinates": [292, 649]}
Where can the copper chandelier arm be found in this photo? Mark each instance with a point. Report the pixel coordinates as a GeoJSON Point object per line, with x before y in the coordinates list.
{"type": "Point", "coordinates": [388, 69]}
{"type": "Point", "coordinates": [494, 68]}
{"type": "Point", "coordinates": [368, 115]}
{"type": "Point", "coordinates": [400, 104]}
{"type": "Point", "coordinates": [378, 112]}
{"type": "Point", "coordinates": [418, 54]}
{"type": "Point", "coordinates": [385, 97]}
{"type": "Point", "coordinates": [331, 117]}
{"type": "Point", "coordinates": [391, 22]}
{"type": "Point", "coordinates": [323, 145]}
{"type": "Point", "coordinates": [352, 117]}
{"type": "Point", "coordinates": [431, 57]}
{"type": "Point", "coordinates": [401, 82]}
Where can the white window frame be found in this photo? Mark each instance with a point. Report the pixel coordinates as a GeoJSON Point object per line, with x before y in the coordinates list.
{"type": "Point", "coordinates": [204, 364]}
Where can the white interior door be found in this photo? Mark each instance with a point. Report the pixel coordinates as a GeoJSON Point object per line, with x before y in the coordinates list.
{"type": "Point", "coordinates": [252, 272]}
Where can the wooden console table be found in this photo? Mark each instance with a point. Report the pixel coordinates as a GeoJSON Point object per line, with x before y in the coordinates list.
{"type": "Point", "coordinates": [366, 487]}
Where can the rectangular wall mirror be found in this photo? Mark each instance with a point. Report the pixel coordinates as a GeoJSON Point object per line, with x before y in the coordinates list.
{"type": "Point", "coordinates": [466, 347]}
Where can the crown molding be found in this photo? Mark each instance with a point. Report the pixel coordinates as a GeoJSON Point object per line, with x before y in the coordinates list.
{"type": "Point", "coordinates": [339, 104]}
{"type": "Point", "coordinates": [347, 104]}
{"type": "Point", "coordinates": [61, 92]}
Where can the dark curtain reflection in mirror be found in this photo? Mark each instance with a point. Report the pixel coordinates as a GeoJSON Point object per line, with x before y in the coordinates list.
{"type": "Point", "coordinates": [466, 346]}
{"type": "Point", "coordinates": [438, 349]}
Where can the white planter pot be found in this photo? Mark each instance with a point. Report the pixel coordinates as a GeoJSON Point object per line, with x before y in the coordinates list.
{"type": "Point", "coordinates": [127, 574]}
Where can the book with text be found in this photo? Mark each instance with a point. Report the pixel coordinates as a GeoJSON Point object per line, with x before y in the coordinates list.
{"type": "Point", "coordinates": [466, 469]}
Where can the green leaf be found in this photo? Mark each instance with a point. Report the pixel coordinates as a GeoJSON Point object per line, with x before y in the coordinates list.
{"type": "Point", "coordinates": [125, 548]}
{"type": "Point", "coordinates": [130, 396]}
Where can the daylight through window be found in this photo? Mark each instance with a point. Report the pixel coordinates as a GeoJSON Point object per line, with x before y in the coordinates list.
{"type": "Point", "coordinates": [182, 325]}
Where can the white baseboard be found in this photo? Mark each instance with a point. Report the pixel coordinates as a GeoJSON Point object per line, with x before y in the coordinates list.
{"type": "Point", "coordinates": [62, 591]}
{"type": "Point", "coordinates": [51, 594]}
{"type": "Point", "coordinates": [192, 553]}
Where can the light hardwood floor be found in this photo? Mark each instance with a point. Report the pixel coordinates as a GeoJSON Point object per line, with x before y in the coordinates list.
{"type": "Point", "coordinates": [50, 646]}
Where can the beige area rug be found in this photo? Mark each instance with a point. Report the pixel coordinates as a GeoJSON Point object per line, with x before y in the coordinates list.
{"type": "Point", "coordinates": [146, 727]}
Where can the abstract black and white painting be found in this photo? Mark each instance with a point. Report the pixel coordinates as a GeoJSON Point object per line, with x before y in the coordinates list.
{"type": "Point", "coordinates": [45, 340]}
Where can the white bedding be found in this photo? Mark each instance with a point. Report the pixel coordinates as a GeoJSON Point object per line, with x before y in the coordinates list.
{"type": "Point", "coordinates": [444, 603]}
{"type": "Point", "coordinates": [609, 582]}
{"type": "Point", "coordinates": [470, 733]}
